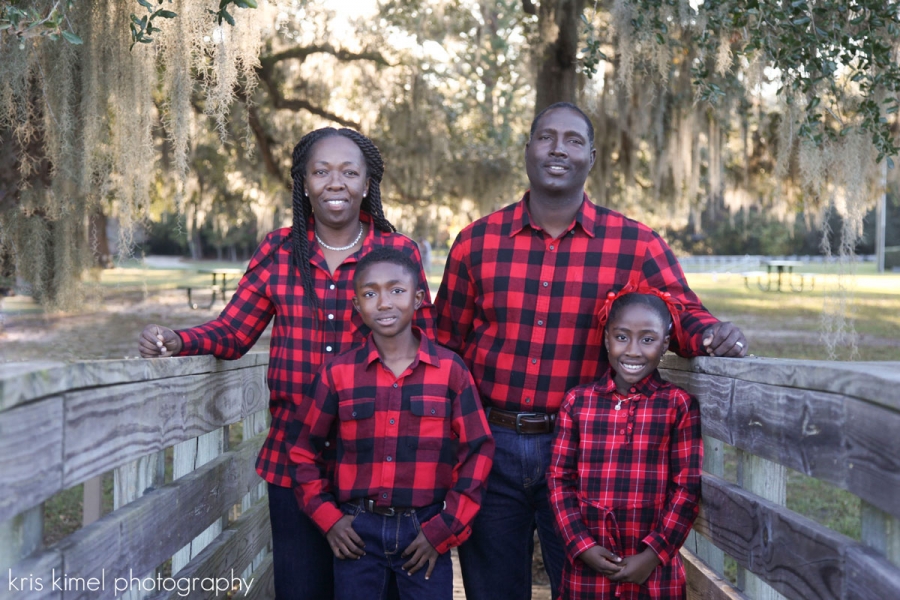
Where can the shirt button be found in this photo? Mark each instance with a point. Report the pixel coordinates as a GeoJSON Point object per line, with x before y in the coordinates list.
{"type": "Point", "coordinates": [633, 390]}
{"type": "Point", "coordinates": [327, 348]}
{"type": "Point", "coordinates": [327, 444]}
{"type": "Point", "coordinates": [395, 385]}
{"type": "Point", "coordinates": [546, 284]}
{"type": "Point", "coordinates": [330, 317]}
{"type": "Point", "coordinates": [331, 287]}
{"type": "Point", "coordinates": [527, 400]}
{"type": "Point", "coordinates": [384, 495]}
{"type": "Point", "coordinates": [389, 459]}
{"type": "Point", "coordinates": [433, 411]}
{"type": "Point", "coordinates": [534, 361]}
{"type": "Point", "coordinates": [551, 247]}
{"type": "Point", "coordinates": [621, 432]}
{"type": "Point", "coordinates": [540, 322]}
{"type": "Point", "coordinates": [392, 421]}
{"type": "Point", "coordinates": [354, 413]}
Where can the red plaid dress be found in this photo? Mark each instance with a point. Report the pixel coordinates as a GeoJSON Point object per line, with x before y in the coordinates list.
{"type": "Point", "coordinates": [521, 308]}
{"type": "Point", "coordinates": [409, 441]}
{"type": "Point", "coordinates": [272, 288]}
{"type": "Point", "coordinates": [626, 479]}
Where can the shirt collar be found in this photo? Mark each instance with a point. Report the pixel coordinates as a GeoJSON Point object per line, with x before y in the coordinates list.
{"type": "Point", "coordinates": [646, 386]}
{"type": "Point", "coordinates": [427, 352]}
{"type": "Point", "coordinates": [587, 216]}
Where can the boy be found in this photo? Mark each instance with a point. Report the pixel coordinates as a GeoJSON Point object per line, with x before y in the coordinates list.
{"type": "Point", "coordinates": [413, 448]}
{"type": "Point", "coordinates": [625, 474]}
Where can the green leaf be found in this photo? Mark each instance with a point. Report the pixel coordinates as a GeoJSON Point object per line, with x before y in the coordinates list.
{"type": "Point", "coordinates": [801, 21]}
{"type": "Point", "coordinates": [72, 38]}
{"type": "Point", "coordinates": [228, 18]}
{"type": "Point", "coordinates": [146, 4]}
{"type": "Point", "coordinates": [165, 14]}
{"type": "Point", "coordinates": [890, 162]}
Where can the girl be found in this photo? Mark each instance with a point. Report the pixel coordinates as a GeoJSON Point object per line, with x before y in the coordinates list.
{"type": "Point", "coordinates": [625, 474]}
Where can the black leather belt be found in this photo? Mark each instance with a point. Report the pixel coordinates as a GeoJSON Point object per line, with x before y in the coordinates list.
{"type": "Point", "coordinates": [527, 423]}
{"type": "Point", "coordinates": [368, 505]}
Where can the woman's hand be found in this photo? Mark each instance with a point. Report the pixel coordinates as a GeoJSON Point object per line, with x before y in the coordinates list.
{"type": "Point", "coordinates": [637, 568]}
{"type": "Point", "coordinates": [157, 341]}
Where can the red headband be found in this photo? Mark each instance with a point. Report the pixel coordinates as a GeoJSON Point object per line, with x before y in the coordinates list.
{"type": "Point", "coordinates": [672, 305]}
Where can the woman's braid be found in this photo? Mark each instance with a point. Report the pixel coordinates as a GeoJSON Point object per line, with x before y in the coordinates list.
{"type": "Point", "coordinates": [302, 208]}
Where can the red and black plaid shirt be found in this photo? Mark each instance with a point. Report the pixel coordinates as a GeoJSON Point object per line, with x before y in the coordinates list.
{"type": "Point", "coordinates": [626, 479]}
{"type": "Point", "coordinates": [521, 308]}
{"type": "Point", "coordinates": [272, 288]}
{"type": "Point", "coordinates": [408, 441]}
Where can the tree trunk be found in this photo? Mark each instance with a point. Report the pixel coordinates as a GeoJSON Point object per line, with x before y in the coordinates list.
{"type": "Point", "coordinates": [556, 52]}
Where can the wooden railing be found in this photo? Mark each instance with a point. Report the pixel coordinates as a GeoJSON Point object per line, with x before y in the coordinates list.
{"type": "Point", "coordinates": [204, 531]}
{"type": "Point", "coordinates": [837, 422]}
{"type": "Point", "coordinates": [63, 425]}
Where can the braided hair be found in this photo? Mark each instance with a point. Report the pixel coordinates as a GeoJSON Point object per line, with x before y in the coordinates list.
{"type": "Point", "coordinates": [302, 208]}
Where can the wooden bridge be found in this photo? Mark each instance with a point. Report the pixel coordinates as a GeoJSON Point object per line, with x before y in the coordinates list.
{"type": "Point", "coordinates": [201, 525]}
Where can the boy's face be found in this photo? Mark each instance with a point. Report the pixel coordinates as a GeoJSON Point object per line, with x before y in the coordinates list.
{"type": "Point", "coordinates": [387, 298]}
{"type": "Point", "coordinates": [636, 342]}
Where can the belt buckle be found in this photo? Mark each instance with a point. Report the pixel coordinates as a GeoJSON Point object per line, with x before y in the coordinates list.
{"type": "Point", "coordinates": [520, 416]}
{"type": "Point", "coordinates": [388, 512]}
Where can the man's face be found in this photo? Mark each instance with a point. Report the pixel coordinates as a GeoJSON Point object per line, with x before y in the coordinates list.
{"type": "Point", "coordinates": [559, 156]}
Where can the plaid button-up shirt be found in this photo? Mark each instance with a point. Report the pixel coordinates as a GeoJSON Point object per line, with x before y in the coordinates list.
{"type": "Point", "coordinates": [521, 308]}
{"type": "Point", "coordinates": [626, 479]}
{"type": "Point", "coordinates": [411, 441]}
{"type": "Point", "coordinates": [272, 288]}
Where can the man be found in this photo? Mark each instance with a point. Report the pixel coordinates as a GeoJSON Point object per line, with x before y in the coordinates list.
{"type": "Point", "coordinates": [519, 302]}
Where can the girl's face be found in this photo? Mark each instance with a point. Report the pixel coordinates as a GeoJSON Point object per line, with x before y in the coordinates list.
{"type": "Point", "coordinates": [336, 181]}
{"type": "Point", "coordinates": [636, 341]}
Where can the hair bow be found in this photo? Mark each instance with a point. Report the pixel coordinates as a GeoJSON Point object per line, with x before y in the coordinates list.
{"type": "Point", "coordinates": [675, 308]}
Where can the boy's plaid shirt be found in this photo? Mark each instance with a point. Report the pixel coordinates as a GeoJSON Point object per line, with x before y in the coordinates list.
{"type": "Point", "coordinates": [407, 441]}
{"type": "Point", "coordinates": [272, 288]}
{"type": "Point", "coordinates": [521, 308]}
{"type": "Point", "coordinates": [630, 478]}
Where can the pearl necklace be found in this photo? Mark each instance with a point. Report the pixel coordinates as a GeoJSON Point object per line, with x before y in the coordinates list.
{"type": "Point", "coordinates": [341, 248]}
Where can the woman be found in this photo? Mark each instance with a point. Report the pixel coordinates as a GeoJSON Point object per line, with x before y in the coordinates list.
{"type": "Point", "coordinates": [303, 277]}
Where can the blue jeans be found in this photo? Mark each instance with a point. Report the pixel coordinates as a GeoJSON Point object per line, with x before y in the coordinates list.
{"type": "Point", "coordinates": [385, 539]}
{"type": "Point", "coordinates": [496, 560]}
{"type": "Point", "coordinates": [302, 558]}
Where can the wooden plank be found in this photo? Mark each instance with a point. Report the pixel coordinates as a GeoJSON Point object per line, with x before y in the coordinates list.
{"type": "Point", "coordinates": [819, 434]}
{"type": "Point", "coordinates": [33, 578]}
{"type": "Point", "coordinates": [881, 532]}
{"type": "Point", "coordinates": [21, 383]}
{"type": "Point", "coordinates": [109, 427]}
{"type": "Point", "coordinates": [795, 555]}
{"type": "Point", "coordinates": [92, 500]}
{"type": "Point", "coordinates": [256, 391]}
{"type": "Point", "coordinates": [263, 581]}
{"type": "Point", "coordinates": [189, 456]}
{"type": "Point", "coordinates": [19, 537]}
{"type": "Point", "coordinates": [31, 448]}
{"type": "Point", "coordinates": [767, 480]}
{"type": "Point", "coordinates": [230, 552]}
{"type": "Point", "coordinates": [869, 576]}
{"type": "Point", "coordinates": [146, 532]}
{"type": "Point", "coordinates": [875, 382]}
{"type": "Point", "coordinates": [700, 546]}
{"type": "Point", "coordinates": [705, 584]}
{"type": "Point", "coordinates": [255, 424]}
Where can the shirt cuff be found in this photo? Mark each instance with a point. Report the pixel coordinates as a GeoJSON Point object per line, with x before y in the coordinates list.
{"type": "Point", "coordinates": [580, 544]}
{"type": "Point", "coordinates": [439, 535]}
{"type": "Point", "coordinates": [188, 344]}
{"type": "Point", "coordinates": [659, 545]}
{"type": "Point", "coordinates": [326, 516]}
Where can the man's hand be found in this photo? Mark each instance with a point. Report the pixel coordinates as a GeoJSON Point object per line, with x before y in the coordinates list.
{"type": "Point", "coordinates": [420, 553]}
{"type": "Point", "coordinates": [157, 341]}
{"type": "Point", "coordinates": [601, 560]}
{"type": "Point", "coordinates": [725, 339]}
{"type": "Point", "coordinates": [344, 542]}
{"type": "Point", "coordinates": [637, 568]}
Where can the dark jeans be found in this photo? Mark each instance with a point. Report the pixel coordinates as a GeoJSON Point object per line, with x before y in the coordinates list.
{"type": "Point", "coordinates": [302, 559]}
{"type": "Point", "coordinates": [496, 560]}
{"type": "Point", "coordinates": [386, 538]}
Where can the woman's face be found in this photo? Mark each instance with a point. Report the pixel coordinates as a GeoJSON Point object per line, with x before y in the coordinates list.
{"type": "Point", "coordinates": [336, 181]}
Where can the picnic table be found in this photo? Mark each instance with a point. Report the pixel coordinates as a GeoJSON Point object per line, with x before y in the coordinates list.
{"type": "Point", "coordinates": [796, 282]}
{"type": "Point", "coordinates": [216, 288]}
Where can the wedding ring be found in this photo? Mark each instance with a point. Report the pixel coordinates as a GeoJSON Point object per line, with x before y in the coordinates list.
{"type": "Point", "coordinates": [739, 345]}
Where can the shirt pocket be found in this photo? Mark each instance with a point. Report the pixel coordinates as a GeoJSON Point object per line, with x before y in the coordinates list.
{"type": "Point", "coordinates": [357, 425]}
{"type": "Point", "coordinates": [428, 428]}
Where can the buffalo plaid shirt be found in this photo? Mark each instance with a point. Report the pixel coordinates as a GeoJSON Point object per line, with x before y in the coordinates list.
{"type": "Point", "coordinates": [272, 288]}
{"type": "Point", "coordinates": [408, 441]}
{"type": "Point", "coordinates": [521, 308]}
{"type": "Point", "coordinates": [626, 478]}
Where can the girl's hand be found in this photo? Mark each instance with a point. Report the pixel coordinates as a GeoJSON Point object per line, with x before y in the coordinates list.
{"type": "Point", "coordinates": [344, 541]}
{"type": "Point", "coordinates": [601, 560]}
{"type": "Point", "coordinates": [637, 568]}
{"type": "Point", "coordinates": [157, 341]}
